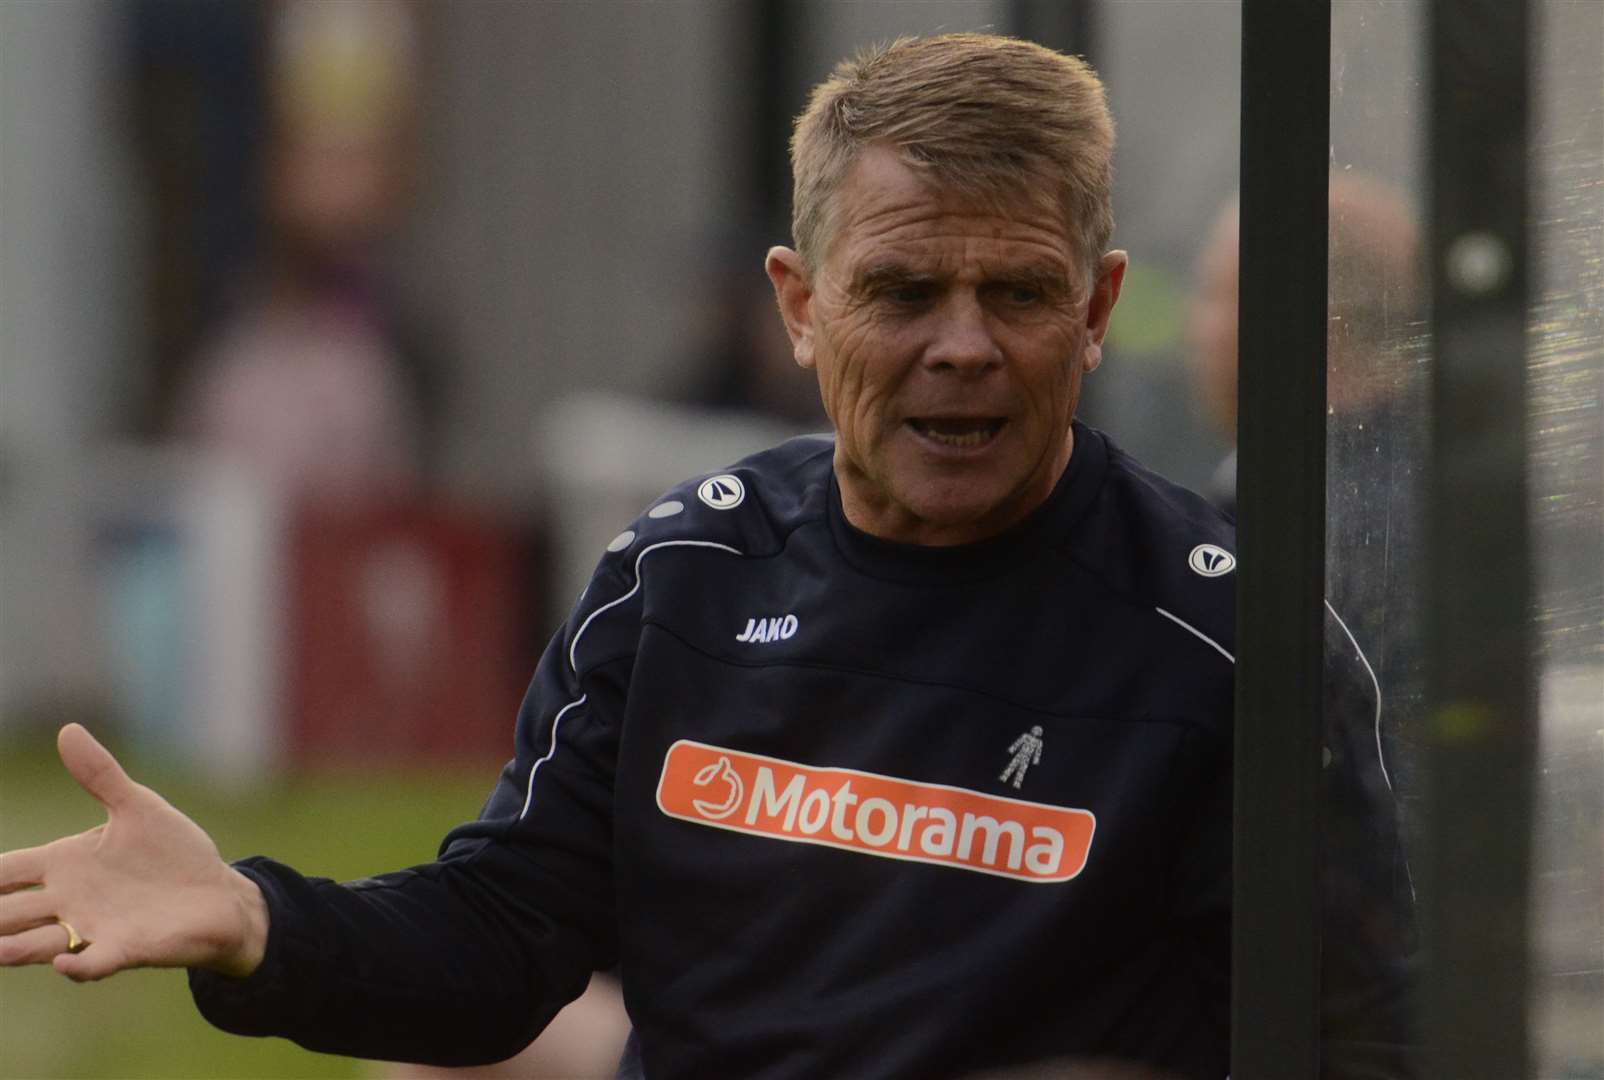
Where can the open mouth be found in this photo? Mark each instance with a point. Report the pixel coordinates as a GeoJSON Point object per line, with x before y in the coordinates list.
{"type": "Point", "coordinates": [960, 433]}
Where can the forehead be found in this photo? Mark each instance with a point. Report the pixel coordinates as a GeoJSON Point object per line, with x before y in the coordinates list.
{"type": "Point", "coordinates": [886, 209]}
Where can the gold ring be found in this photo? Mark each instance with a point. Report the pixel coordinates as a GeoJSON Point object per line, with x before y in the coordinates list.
{"type": "Point", "coordinates": [75, 944]}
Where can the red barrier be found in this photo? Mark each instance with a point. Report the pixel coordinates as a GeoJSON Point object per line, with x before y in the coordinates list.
{"type": "Point", "coordinates": [412, 634]}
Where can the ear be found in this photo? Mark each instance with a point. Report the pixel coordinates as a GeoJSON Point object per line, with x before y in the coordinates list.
{"type": "Point", "coordinates": [1105, 294]}
{"type": "Point", "coordinates": [795, 297]}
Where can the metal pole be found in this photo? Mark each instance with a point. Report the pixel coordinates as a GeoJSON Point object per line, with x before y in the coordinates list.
{"type": "Point", "coordinates": [1069, 26]}
{"type": "Point", "coordinates": [1286, 110]}
{"type": "Point", "coordinates": [1482, 714]}
{"type": "Point", "coordinates": [769, 40]}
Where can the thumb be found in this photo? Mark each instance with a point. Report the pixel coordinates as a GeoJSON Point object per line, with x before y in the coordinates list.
{"type": "Point", "coordinates": [92, 765]}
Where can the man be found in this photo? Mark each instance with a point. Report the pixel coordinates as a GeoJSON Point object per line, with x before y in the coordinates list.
{"type": "Point", "coordinates": [761, 768]}
{"type": "Point", "coordinates": [1376, 423]}
{"type": "Point", "coordinates": [1373, 680]}
{"type": "Point", "coordinates": [1376, 322]}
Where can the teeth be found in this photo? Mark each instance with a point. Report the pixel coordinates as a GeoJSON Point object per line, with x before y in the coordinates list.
{"type": "Point", "coordinates": [967, 438]}
{"type": "Point", "coordinates": [958, 434]}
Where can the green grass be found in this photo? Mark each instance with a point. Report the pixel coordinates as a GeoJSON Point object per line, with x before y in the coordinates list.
{"type": "Point", "coordinates": [141, 1024]}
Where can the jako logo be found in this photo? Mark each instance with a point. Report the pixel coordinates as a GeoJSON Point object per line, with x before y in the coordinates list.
{"type": "Point", "coordinates": [723, 492]}
{"type": "Point", "coordinates": [873, 814]}
{"type": "Point", "coordinates": [775, 629]}
{"type": "Point", "coordinates": [1211, 561]}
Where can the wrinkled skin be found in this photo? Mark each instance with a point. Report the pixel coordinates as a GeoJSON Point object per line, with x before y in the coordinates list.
{"type": "Point", "coordinates": [949, 339]}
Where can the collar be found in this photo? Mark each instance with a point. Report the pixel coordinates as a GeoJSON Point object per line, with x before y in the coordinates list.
{"type": "Point", "coordinates": [1046, 528]}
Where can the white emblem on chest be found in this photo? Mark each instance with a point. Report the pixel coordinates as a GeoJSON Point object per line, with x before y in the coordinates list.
{"type": "Point", "coordinates": [777, 628]}
{"type": "Point", "coordinates": [1026, 751]}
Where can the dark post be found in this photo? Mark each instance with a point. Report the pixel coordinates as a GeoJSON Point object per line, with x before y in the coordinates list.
{"type": "Point", "coordinates": [1286, 115]}
{"type": "Point", "coordinates": [771, 42]}
{"type": "Point", "coordinates": [1069, 26]}
{"type": "Point", "coordinates": [1481, 717]}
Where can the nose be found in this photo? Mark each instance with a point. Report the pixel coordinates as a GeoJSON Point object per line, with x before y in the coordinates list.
{"type": "Point", "coordinates": [962, 340]}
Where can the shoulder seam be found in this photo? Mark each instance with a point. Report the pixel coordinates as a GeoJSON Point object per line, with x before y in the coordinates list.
{"type": "Point", "coordinates": [573, 646]}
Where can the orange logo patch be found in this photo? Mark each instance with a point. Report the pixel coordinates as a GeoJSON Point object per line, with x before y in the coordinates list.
{"type": "Point", "coordinates": [873, 814]}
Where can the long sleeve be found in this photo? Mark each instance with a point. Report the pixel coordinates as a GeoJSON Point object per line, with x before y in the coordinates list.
{"type": "Point", "coordinates": [463, 960]}
{"type": "Point", "coordinates": [1369, 942]}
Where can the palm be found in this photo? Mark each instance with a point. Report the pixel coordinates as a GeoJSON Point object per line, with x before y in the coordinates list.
{"type": "Point", "coordinates": [147, 888]}
{"type": "Point", "coordinates": [129, 879]}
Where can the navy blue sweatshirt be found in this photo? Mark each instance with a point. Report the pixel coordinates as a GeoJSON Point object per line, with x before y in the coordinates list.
{"type": "Point", "coordinates": [832, 806]}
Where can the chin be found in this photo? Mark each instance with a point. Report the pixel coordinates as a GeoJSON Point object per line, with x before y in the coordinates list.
{"type": "Point", "coordinates": [953, 517]}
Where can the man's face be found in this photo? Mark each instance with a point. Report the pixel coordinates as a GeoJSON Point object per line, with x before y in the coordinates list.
{"type": "Point", "coordinates": [949, 339]}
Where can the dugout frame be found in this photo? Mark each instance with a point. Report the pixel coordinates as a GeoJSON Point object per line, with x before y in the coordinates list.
{"type": "Point", "coordinates": [1481, 710]}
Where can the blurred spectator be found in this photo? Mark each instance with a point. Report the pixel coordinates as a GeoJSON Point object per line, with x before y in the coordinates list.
{"type": "Point", "coordinates": [1375, 409]}
{"type": "Point", "coordinates": [1374, 313]}
{"type": "Point", "coordinates": [309, 379]}
{"type": "Point", "coordinates": [1375, 398]}
{"type": "Point", "coordinates": [1375, 452]}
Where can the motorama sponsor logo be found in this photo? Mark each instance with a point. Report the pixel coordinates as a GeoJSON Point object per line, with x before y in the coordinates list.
{"type": "Point", "coordinates": [872, 814]}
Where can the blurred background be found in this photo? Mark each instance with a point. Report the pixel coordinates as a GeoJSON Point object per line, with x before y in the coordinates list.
{"type": "Point", "coordinates": [338, 338]}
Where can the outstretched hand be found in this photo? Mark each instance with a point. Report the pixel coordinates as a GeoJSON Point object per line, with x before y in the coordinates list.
{"type": "Point", "coordinates": [146, 889]}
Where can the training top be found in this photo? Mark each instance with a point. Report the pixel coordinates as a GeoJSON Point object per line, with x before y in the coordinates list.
{"type": "Point", "coordinates": [832, 806]}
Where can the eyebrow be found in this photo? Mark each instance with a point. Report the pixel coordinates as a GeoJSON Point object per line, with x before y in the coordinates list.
{"type": "Point", "coordinates": [1048, 278]}
{"type": "Point", "coordinates": [881, 274]}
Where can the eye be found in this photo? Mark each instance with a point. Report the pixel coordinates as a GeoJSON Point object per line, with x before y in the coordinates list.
{"type": "Point", "coordinates": [910, 294]}
{"type": "Point", "coordinates": [1022, 295]}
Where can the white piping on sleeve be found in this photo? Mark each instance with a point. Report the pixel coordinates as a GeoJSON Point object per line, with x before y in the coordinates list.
{"type": "Point", "coordinates": [1195, 632]}
{"type": "Point", "coordinates": [529, 793]}
{"type": "Point", "coordinates": [1381, 758]}
{"type": "Point", "coordinates": [573, 664]}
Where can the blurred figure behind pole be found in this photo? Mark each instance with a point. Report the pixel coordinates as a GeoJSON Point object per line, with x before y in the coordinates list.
{"type": "Point", "coordinates": [1376, 396]}
{"type": "Point", "coordinates": [310, 377]}
{"type": "Point", "coordinates": [1376, 400]}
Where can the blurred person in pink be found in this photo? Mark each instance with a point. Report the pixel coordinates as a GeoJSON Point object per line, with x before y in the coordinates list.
{"type": "Point", "coordinates": [310, 380]}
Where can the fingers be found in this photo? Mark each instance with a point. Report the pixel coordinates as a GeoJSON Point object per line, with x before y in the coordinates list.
{"type": "Point", "coordinates": [24, 910]}
{"type": "Point", "coordinates": [36, 946]}
{"type": "Point", "coordinates": [95, 962]}
{"type": "Point", "coordinates": [48, 944]}
{"type": "Point", "coordinates": [21, 868]}
{"type": "Point", "coordinates": [92, 765]}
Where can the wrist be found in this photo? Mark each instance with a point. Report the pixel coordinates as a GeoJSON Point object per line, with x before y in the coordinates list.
{"type": "Point", "coordinates": [250, 908]}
